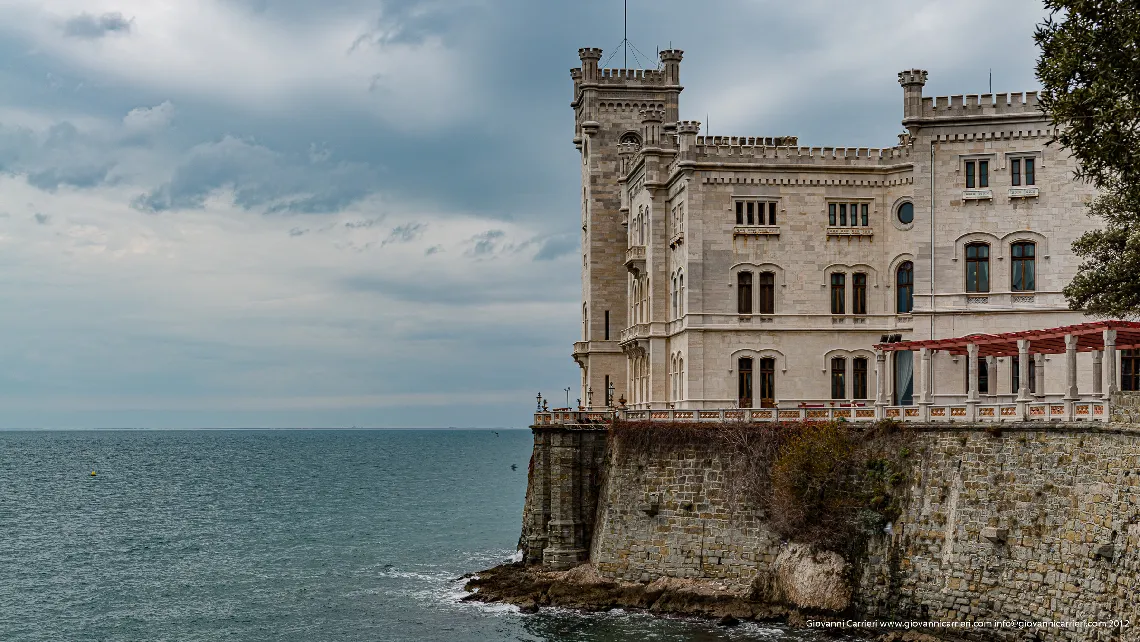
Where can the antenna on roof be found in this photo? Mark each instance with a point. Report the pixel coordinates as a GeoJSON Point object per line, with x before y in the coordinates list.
{"type": "Point", "coordinates": [991, 80]}
{"type": "Point", "coordinates": [625, 45]}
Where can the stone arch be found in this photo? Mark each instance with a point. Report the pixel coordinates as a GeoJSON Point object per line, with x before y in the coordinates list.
{"type": "Point", "coordinates": [756, 355]}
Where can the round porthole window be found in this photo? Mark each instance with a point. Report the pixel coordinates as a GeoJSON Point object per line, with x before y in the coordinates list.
{"type": "Point", "coordinates": [905, 213]}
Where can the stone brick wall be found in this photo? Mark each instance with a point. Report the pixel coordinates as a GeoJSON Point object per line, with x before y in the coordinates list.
{"type": "Point", "coordinates": [1033, 523]}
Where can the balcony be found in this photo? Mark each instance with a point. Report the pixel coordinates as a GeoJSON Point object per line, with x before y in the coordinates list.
{"type": "Point", "coordinates": [635, 258]}
{"type": "Point", "coordinates": [756, 230]}
{"type": "Point", "coordinates": [850, 231]}
{"type": "Point", "coordinates": [1023, 192]}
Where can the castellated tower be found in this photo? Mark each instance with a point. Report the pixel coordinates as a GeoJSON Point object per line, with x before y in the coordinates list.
{"type": "Point", "coordinates": [607, 117]}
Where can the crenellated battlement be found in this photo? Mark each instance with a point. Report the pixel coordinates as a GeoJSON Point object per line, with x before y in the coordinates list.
{"type": "Point", "coordinates": [980, 105]}
{"type": "Point", "coordinates": [784, 150]}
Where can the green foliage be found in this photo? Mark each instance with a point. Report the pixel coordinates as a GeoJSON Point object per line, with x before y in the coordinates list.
{"type": "Point", "coordinates": [1090, 74]}
{"type": "Point", "coordinates": [826, 484]}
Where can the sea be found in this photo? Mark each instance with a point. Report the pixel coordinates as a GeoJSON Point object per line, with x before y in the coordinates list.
{"type": "Point", "coordinates": [307, 535]}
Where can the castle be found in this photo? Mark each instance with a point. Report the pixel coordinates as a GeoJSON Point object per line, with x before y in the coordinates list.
{"type": "Point", "coordinates": [752, 272]}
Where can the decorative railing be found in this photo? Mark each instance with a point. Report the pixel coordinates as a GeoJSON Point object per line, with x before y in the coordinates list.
{"type": "Point", "coordinates": [635, 258]}
{"type": "Point", "coordinates": [1090, 410]}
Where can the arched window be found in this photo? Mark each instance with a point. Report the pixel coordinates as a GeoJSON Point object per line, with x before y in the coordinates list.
{"type": "Point", "coordinates": [744, 382]}
{"type": "Point", "coordinates": [673, 297]}
{"type": "Point", "coordinates": [744, 293]}
{"type": "Point", "coordinates": [1024, 266]}
{"type": "Point", "coordinates": [838, 293]}
{"type": "Point", "coordinates": [859, 293]}
{"type": "Point", "coordinates": [631, 137]}
{"type": "Point", "coordinates": [672, 378]}
{"type": "Point", "coordinates": [859, 378]}
{"type": "Point", "coordinates": [680, 378]}
{"type": "Point", "coordinates": [585, 323]}
{"type": "Point", "coordinates": [977, 267]}
{"type": "Point", "coordinates": [767, 284]}
{"type": "Point", "coordinates": [768, 383]}
{"type": "Point", "coordinates": [904, 288]}
{"type": "Point", "coordinates": [681, 294]}
{"type": "Point", "coordinates": [839, 378]}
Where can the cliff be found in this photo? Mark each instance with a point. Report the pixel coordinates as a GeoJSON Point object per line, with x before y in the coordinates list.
{"type": "Point", "coordinates": [1026, 522]}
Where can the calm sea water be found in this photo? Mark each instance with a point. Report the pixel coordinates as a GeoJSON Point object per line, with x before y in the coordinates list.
{"type": "Point", "coordinates": [275, 535]}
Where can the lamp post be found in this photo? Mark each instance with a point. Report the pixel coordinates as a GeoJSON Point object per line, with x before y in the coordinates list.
{"type": "Point", "coordinates": [538, 403]}
{"type": "Point", "coordinates": [610, 395]}
{"type": "Point", "coordinates": [567, 389]}
{"type": "Point", "coordinates": [589, 397]}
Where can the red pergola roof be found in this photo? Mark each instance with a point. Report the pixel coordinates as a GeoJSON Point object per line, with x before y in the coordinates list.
{"type": "Point", "coordinates": [1090, 337]}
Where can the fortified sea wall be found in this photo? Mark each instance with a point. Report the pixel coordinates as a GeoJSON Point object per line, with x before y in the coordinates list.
{"type": "Point", "coordinates": [1035, 522]}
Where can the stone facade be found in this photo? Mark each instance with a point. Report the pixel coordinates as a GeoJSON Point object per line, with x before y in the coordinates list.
{"type": "Point", "coordinates": [664, 250]}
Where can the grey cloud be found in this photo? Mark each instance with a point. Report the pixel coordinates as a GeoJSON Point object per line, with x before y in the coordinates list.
{"type": "Point", "coordinates": [454, 293]}
{"type": "Point", "coordinates": [485, 244]}
{"type": "Point", "coordinates": [556, 247]}
{"type": "Point", "coordinates": [259, 177]}
{"type": "Point", "coordinates": [86, 25]}
{"type": "Point", "coordinates": [42, 219]}
{"type": "Point", "coordinates": [435, 249]}
{"type": "Point", "coordinates": [405, 233]}
{"type": "Point", "coordinates": [80, 176]}
{"type": "Point", "coordinates": [296, 231]}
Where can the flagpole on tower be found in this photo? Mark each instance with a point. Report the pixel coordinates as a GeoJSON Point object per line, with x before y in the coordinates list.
{"type": "Point", "coordinates": [625, 35]}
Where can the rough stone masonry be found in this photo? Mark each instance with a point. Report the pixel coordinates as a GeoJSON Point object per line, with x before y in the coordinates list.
{"type": "Point", "coordinates": [1023, 521]}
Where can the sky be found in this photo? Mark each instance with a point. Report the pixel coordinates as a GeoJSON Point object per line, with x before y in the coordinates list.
{"type": "Point", "coordinates": [260, 213]}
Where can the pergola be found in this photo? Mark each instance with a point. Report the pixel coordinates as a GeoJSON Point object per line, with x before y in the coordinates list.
{"type": "Point", "coordinates": [1102, 338]}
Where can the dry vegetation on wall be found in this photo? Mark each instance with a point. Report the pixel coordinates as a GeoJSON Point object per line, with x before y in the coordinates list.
{"type": "Point", "coordinates": [828, 484]}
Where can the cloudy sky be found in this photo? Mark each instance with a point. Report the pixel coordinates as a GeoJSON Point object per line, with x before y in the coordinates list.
{"type": "Point", "coordinates": [295, 213]}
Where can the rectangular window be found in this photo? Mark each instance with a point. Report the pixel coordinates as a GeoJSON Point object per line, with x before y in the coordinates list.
{"type": "Point", "coordinates": [859, 378]}
{"type": "Point", "coordinates": [1015, 172]}
{"type": "Point", "coordinates": [744, 382]}
{"type": "Point", "coordinates": [1015, 375]}
{"type": "Point", "coordinates": [749, 212]}
{"type": "Point", "coordinates": [1029, 178]}
{"type": "Point", "coordinates": [744, 293]}
{"type": "Point", "coordinates": [983, 173]}
{"type": "Point", "coordinates": [838, 378]}
{"type": "Point", "coordinates": [970, 166]}
{"type": "Point", "coordinates": [838, 285]}
{"type": "Point", "coordinates": [609, 400]}
{"type": "Point", "coordinates": [977, 267]}
{"type": "Point", "coordinates": [767, 293]}
{"type": "Point", "coordinates": [767, 383]}
{"type": "Point", "coordinates": [983, 376]}
{"type": "Point", "coordinates": [866, 219]}
{"type": "Point", "coordinates": [831, 214]}
{"type": "Point", "coordinates": [1130, 370]}
{"type": "Point", "coordinates": [843, 213]}
{"type": "Point", "coordinates": [607, 325]}
{"type": "Point", "coordinates": [859, 293]}
{"type": "Point", "coordinates": [1024, 267]}
{"type": "Point", "coordinates": [854, 214]}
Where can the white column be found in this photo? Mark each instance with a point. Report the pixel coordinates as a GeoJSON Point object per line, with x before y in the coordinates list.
{"type": "Point", "coordinates": [991, 376]}
{"type": "Point", "coordinates": [880, 384]}
{"type": "Point", "coordinates": [1098, 375]}
{"type": "Point", "coordinates": [1071, 393]}
{"type": "Point", "coordinates": [1039, 374]}
{"type": "Point", "coordinates": [972, 388]}
{"type": "Point", "coordinates": [1110, 362]}
{"type": "Point", "coordinates": [1023, 373]}
{"type": "Point", "coordinates": [925, 393]}
{"type": "Point", "coordinates": [972, 356]}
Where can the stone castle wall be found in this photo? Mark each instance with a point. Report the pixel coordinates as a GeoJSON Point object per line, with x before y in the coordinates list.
{"type": "Point", "coordinates": [1035, 523]}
